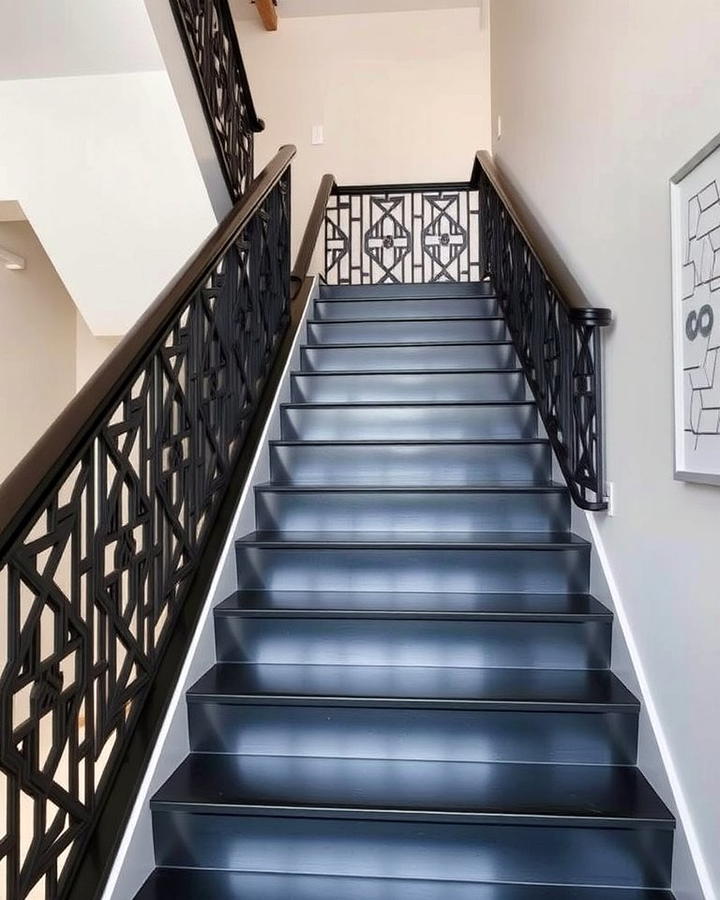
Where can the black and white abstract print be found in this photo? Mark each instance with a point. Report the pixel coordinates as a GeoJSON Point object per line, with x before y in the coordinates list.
{"type": "Point", "coordinates": [701, 319]}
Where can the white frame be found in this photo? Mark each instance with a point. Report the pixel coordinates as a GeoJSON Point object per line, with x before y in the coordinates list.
{"type": "Point", "coordinates": [683, 472]}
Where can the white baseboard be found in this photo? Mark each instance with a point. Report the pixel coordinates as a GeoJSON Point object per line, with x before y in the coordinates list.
{"type": "Point", "coordinates": [691, 878]}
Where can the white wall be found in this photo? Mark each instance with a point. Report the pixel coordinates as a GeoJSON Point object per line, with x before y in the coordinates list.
{"type": "Point", "coordinates": [601, 102]}
{"type": "Point", "coordinates": [37, 345]}
{"type": "Point", "coordinates": [402, 96]}
{"type": "Point", "coordinates": [94, 144]}
{"type": "Point", "coordinates": [104, 169]}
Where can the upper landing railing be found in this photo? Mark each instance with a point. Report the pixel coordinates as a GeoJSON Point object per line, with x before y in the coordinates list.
{"type": "Point", "coordinates": [464, 232]}
{"type": "Point", "coordinates": [211, 45]}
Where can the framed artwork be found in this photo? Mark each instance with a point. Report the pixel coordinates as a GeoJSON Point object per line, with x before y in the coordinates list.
{"type": "Point", "coordinates": [695, 221]}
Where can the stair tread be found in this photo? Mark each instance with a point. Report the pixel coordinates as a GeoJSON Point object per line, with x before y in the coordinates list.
{"type": "Point", "coordinates": [513, 606]}
{"type": "Point", "coordinates": [504, 540]}
{"type": "Point", "coordinates": [494, 342]}
{"type": "Point", "coordinates": [483, 317]}
{"type": "Point", "coordinates": [417, 686]}
{"type": "Point", "coordinates": [409, 442]}
{"type": "Point", "coordinates": [514, 488]}
{"type": "Point", "coordinates": [364, 373]}
{"type": "Point", "coordinates": [189, 884]}
{"type": "Point", "coordinates": [520, 793]}
{"type": "Point", "coordinates": [371, 404]}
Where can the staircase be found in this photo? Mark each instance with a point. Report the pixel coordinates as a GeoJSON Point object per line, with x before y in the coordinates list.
{"type": "Point", "coordinates": [412, 697]}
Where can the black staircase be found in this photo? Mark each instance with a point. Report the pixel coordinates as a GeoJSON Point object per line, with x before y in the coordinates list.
{"type": "Point", "coordinates": [412, 697]}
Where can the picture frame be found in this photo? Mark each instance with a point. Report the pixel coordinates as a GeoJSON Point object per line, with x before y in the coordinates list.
{"type": "Point", "coordinates": [695, 231]}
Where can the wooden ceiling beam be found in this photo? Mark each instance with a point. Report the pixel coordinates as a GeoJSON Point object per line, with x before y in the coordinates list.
{"type": "Point", "coordinates": [268, 13]}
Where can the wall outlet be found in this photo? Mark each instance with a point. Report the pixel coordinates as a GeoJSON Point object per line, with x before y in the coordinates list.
{"type": "Point", "coordinates": [499, 127]}
{"type": "Point", "coordinates": [318, 134]}
{"type": "Point", "coordinates": [610, 497]}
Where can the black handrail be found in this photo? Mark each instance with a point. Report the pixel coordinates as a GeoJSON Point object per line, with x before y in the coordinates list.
{"type": "Point", "coordinates": [208, 34]}
{"type": "Point", "coordinates": [312, 229]}
{"type": "Point", "coordinates": [105, 525]}
{"type": "Point", "coordinates": [469, 231]}
{"type": "Point", "coordinates": [556, 338]}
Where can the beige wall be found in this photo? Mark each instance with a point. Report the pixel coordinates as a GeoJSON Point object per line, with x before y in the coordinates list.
{"type": "Point", "coordinates": [37, 345]}
{"type": "Point", "coordinates": [401, 96]}
{"type": "Point", "coordinates": [601, 102]}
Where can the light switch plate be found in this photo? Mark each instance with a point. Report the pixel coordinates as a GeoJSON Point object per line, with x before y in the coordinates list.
{"type": "Point", "coordinates": [318, 134]}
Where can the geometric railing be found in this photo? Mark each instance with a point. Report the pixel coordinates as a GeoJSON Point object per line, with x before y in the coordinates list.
{"type": "Point", "coordinates": [558, 343]}
{"type": "Point", "coordinates": [208, 34]}
{"type": "Point", "coordinates": [104, 524]}
{"type": "Point", "coordinates": [469, 231]}
{"type": "Point", "coordinates": [402, 234]}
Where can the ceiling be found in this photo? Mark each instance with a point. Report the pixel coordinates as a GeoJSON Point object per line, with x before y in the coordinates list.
{"type": "Point", "coordinates": [243, 9]}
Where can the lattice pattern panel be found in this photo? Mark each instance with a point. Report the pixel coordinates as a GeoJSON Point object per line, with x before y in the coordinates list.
{"type": "Point", "coordinates": [208, 32]}
{"type": "Point", "coordinates": [93, 584]}
{"type": "Point", "coordinates": [560, 352]}
{"type": "Point", "coordinates": [403, 236]}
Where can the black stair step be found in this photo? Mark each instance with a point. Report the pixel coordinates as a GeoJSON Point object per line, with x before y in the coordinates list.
{"type": "Point", "coordinates": [485, 317]}
{"type": "Point", "coordinates": [535, 690]}
{"type": "Point", "coordinates": [396, 605]}
{"type": "Point", "coordinates": [409, 291]}
{"type": "Point", "coordinates": [281, 488]}
{"type": "Point", "coordinates": [190, 884]}
{"type": "Point", "coordinates": [408, 442]}
{"type": "Point", "coordinates": [414, 790]}
{"type": "Point", "coordinates": [357, 344]}
{"type": "Point", "coordinates": [399, 403]}
{"type": "Point", "coordinates": [505, 540]}
{"type": "Point", "coordinates": [486, 370]}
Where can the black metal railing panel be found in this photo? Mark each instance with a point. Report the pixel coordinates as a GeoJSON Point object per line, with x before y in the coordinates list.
{"type": "Point", "coordinates": [402, 234]}
{"type": "Point", "coordinates": [420, 234]}
{"type": "Point", "coordinates": [93, 578]}
{"type": "Point", "coordinates": [558, 345]}
{"type": "Point", "coordinates": [208, 34]}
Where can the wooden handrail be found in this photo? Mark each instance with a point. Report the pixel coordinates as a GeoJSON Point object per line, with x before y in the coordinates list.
{"type": "Point", "coordinates": [78, 422]}
{"type": "Point", "coordinates": [312, 229]}
{"type": "Point", "coordinates": [578, 307]}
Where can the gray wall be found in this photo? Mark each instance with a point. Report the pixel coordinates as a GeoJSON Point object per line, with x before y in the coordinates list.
{"type": "Point", "coordinates": [601, 102]}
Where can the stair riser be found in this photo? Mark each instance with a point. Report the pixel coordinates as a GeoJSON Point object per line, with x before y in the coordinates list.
{"type": "Point", "coordinates": [399, 358]}
{"type": "Point", "coordinates": [391, 291]}
{"type": "Point", "coordinates": [401, 569]}
{"type": "Point", "coordinates": [445, 734]}
{"type": "Point", "coordinates": [393, 333]}
{"type": "Point", "coordinates": [452, 735]}
{"type": "Point", "coordinates": [435, 464]}
{"type": "Point", "coordinates": [472, 386]}
{"type": "Point", "coordinates": [413, 642]}
{"type": "Point", "coordinates": [333, 310]}
{"type": "Point", "coordinates": [408, 422]}
{"type": "Point", "coordinates": [408, 512]}
{"type": "Point", "coordinates": [633, 857]}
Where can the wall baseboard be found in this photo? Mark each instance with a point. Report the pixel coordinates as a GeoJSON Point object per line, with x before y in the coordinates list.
{"type": "Point", "coordinates": [691, 878]}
